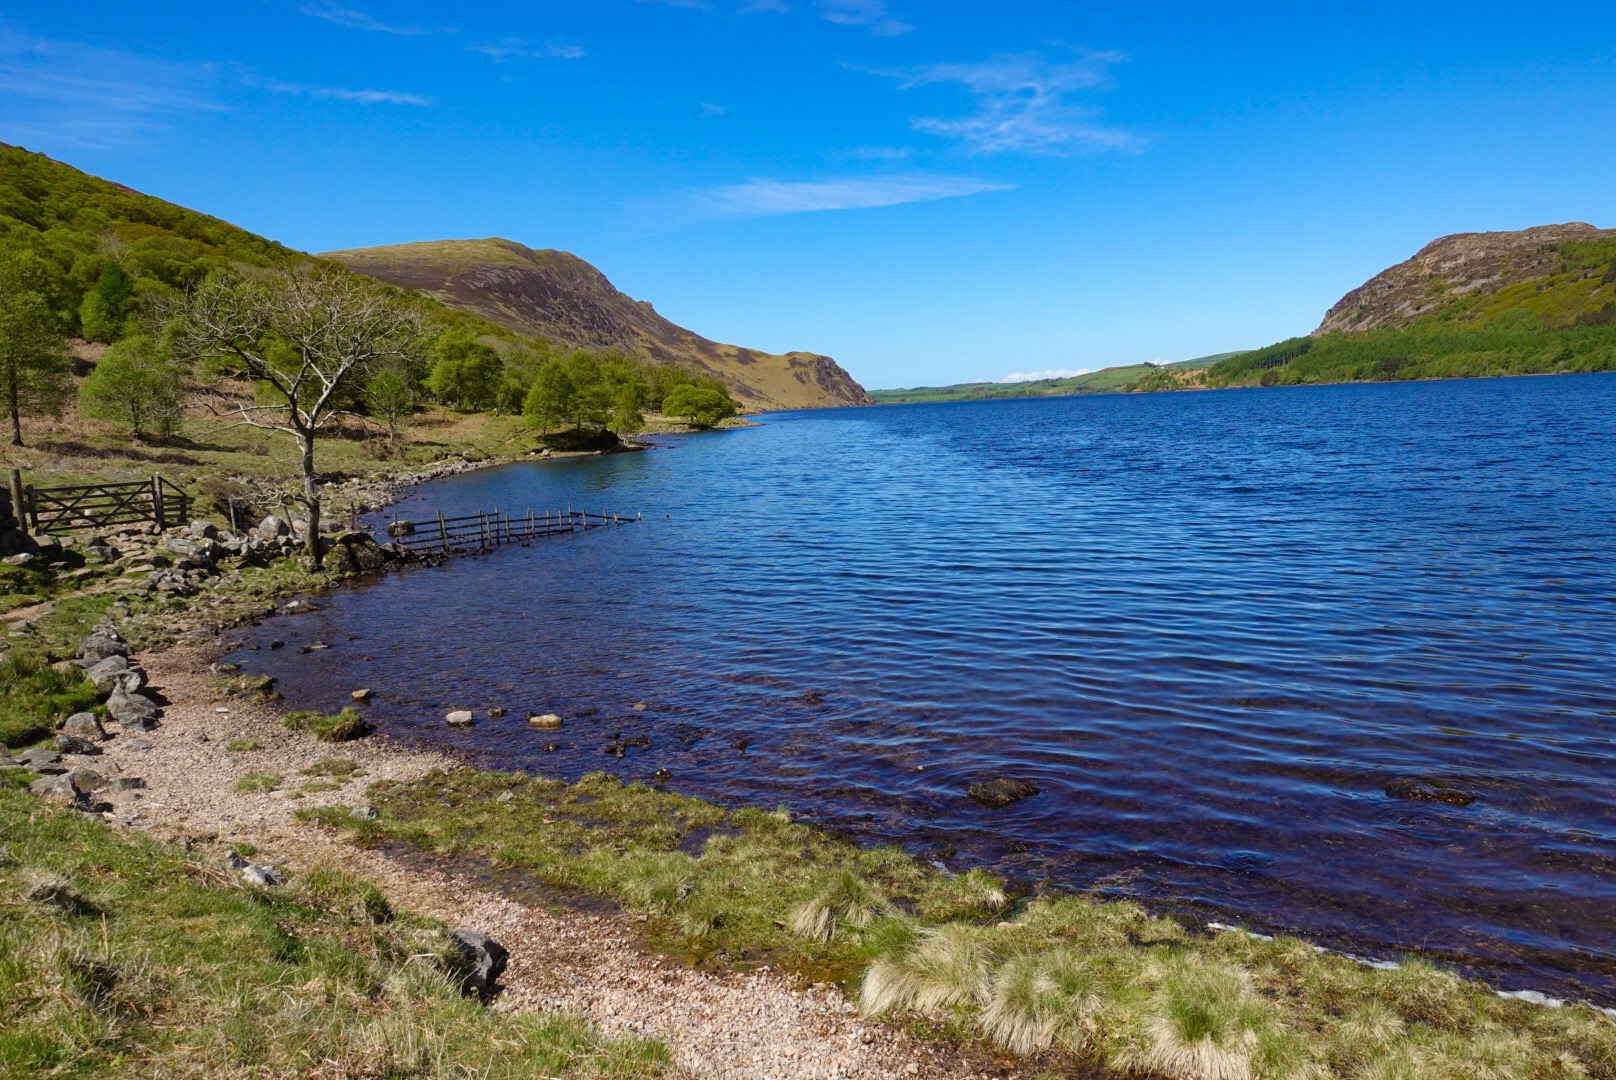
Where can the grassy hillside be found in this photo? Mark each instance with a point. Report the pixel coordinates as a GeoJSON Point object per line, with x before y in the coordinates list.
{"type": "Point", "coordinates": [1093, 382]}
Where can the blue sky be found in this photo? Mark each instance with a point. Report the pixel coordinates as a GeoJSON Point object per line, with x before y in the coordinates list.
{"type": "Point", "coordinates": [930, 192]}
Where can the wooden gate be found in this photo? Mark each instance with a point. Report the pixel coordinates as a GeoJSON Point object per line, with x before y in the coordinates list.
{"type": "Point", "coordinates": [93, 506]}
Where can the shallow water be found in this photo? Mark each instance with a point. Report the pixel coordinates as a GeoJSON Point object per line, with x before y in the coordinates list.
{"type": "Point", "coordinates": [1210, 627]}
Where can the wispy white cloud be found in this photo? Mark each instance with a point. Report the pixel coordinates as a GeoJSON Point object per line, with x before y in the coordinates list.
{"type": "Point", "coordinates": [760, 198]}
{"type": "Point", "coordinates": [1051, 373]}
{"type": "Point", "coordinates": [870, 13]}
{"type": "Point", "coordinates": [355, 20]}
{"type": "Point", "coordinates": [63, 93]}
{"type": "Point", "coordinates": [518, 49]}
{"type": "Point", "coordinates": [338, 93]}
{"type": "Point", "coordinates": [709, 109]}
{"type": "Point", "coordinates": [1023, 103]}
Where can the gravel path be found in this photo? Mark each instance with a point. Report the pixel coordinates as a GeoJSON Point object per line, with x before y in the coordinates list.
{"type": "Point", "coordinates": [758, 1025]}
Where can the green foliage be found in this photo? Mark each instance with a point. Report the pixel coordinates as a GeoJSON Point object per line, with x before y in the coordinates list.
{"type": "Point", "coordinates": [701, 405]}
{"type": "Point", "coordinates": [257, 783]}
{"type": "Point", "coordinates": [465, 372]}
{"type": "Point", "coordinates": [136, 386]}
{"type": "Point", "coordinates": [121, 956]}
{"type": "Point", "coordinates": [389, 395]}
{"type": "Point", "coordinates": [1510, 343]}
{"type": "Point", "coordinates": [106, 307]}
{"type": "Point", "coordinates": [34, 365]}
{"type": "Point", "coordinates": [344, 726]}
{"type": "Point", "coordinates": [34, 697]}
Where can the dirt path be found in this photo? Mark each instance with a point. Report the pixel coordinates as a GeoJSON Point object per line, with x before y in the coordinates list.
{"type": "Point", "coordinates": [723, 1026]}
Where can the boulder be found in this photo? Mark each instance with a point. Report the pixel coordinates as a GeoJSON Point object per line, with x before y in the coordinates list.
{"type": "Point", "coordinates": [485, 959]}
{"type": "Point", "coordinates": [84, 726]}
{"type": "Point", "coordinates": [100, 645]}
{"type": "Point", "coordinates": [546, 722]}
{"type": "Point", "coordinates": [263, 876]}
{"type": "Point", "coordinates": [116, 673]}
{"type": "Point", "coordinates": [41, 760]}
{"type": "Point", "coordinates": [272, 528]}
{"type": "Point", "coordinates": [85, 781]}
{"type": "Point", "coordinates": [355, 553]}
{"type": "Point", "coordinates": [361, 696]}
{"type": "Point", "coordinates": [203, 530]}
{"type": "Point", "coordinates": [132, 710]}
{"type": "Point", "coordinates": [57, 790]}
{"type": "Point", "coordinates": [72, 744]}
{"type": "Point", "coordinates": [459, 718]}
{"type": "Point", "coordinates": [128, 783]}
{"type": "Point", "coordinates": [364, 813]}
{"type": "Point", "coordinates": [401, 528]}
{"type": "Point", "coordinates": [1001, 791]}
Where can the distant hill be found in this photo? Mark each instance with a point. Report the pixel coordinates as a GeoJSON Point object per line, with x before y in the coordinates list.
{"type": "Point", "coordinates": [557, 295]}
{"type": "Point", "coordinates": [1093, 382]}
{"type": "Point", "coordinates": [1555, 273]}
{"type": "Point", "coordinates": [1540, 301]}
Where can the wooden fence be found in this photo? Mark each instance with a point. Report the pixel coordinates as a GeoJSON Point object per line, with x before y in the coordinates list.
{"type": "Point", "coordinates": [490, 529]}
{"type": "Point", "coordinates": [93, 506]}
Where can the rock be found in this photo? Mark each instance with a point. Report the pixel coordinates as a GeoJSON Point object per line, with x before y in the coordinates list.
{"type": "Point", "coordinates": [1434, 791]}
{"type": "Point", "coordinates": [71, 744]}
{"type": "Point", "coordinates": [401, 528]}
{"type": "Point", "coordinates": [360, 696]}
{"type": "Point", "coordinates": [637, 742]}
{"type": "Point", "coordinates": [1001, 791]}
{"type": "Point", "coordinates": [86, 780]}
{"type": "Point", "coordinates": [203, 530]}
{"type": "Point", "coordinates": [59, 790]}
{"type": "Point", "coordinates": [132, 710]}
{"type": "Point", "coordinates": [128, 783]}
{"type": "Point", "coordinates": [100, 645]}
{"type": "Point", "coordinates": [116, 672]}
{"type": "Point", "coordinates": [495, 713]}
{"type": "Point", "coordinates": [484, 956]}
{"type": "Point", "coordinates": [547, 722]}
{"type": "Point", "coordinates": [22, 559]}
{"type": "Point", "coordinates": [661, 776]}
{"type": "Point", "coordinates": [550, 747]}
{"type": "Point", "coordinates": [739, 744]}
{"type": "Point", "coordinates": [364, 813]}
{"type": "Point", "coordinates": [277, 644]}
{"type": "Point", "coordinates": [262, 876]}
{"type": "Point", "coordinates": [460, 718]}
{"type": "Point", "coordinates": [85, 726]}
{"type": "Point", "coordinates": [355, 553]}
{"type": "Point", "coordinates": [271, 528]}
{"type": "Point", "coordinates": [613, 749]}
{"type": "Point", "coordinates": [40, 760]}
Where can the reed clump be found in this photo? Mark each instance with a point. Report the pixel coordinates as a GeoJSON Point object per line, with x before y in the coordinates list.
{"type": "Point", "coordinates": [1064, 976]}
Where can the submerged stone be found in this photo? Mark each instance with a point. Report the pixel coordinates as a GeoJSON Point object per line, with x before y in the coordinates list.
{"type": "Point", "coordinates": [1001, 791]}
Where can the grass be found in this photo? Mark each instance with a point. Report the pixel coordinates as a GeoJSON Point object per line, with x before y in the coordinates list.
{"type": "Point", "coordinates": [258, 783]}
{"type": "Point", "coordinates": [243, 746]}
{"type": "Point", "coordinates": [342, 768]}
{"type": "Point", "coordinates": [123, 956]}
{"type": "Point", "coordinates": [344, 726]}
{"type": "Point", "coordinates": [1097, 982]}
{"type": "Point", "coordinates": [34, 697]}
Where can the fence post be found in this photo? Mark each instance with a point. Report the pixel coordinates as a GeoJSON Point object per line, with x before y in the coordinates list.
{"type": "Point", "coordinates": [157, 502]}
{"type": "Point", "coordinates": [443, 532]}
{"type": "Point", "coordinates": [18, 507]}
{"type": "Point", "coordinates": [33, 508]}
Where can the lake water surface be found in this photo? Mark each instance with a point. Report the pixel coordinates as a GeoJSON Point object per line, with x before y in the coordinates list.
{"type": "Point", "coordinates": [1212, 628]}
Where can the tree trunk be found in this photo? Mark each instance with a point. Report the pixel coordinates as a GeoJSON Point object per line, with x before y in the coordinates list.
{"type": "Point", "coordinates": [311, 498]}
{"type": "Point", "coordinates": [16, 417]}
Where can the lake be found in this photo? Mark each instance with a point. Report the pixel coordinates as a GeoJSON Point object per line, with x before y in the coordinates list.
{"type": "Point", "coordinates": [1213, 628]}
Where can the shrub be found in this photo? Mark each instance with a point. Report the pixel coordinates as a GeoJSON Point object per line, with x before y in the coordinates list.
{"type": "Point", "coordinates": [135, 386]}
{"type": "Point", "coordinates": [702, 406]}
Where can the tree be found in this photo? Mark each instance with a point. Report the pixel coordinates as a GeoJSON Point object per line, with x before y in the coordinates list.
{"type": "Point", "coordinates": [550, 400]}
{"type": "Point", "coordinates": [390, 396]}
{"type": "Point", "coordinates": [307, 339]}
{"type": "Point", "coordinates": [465, 372]}
{"type": "Point", "coordinates": [106, 306]}
{"type": "Point", "coordinates": [34, 364]}
{"type": "Point", "coordinates": [137, 386]}
{"type": "Point", "coordinates": [701, 405]}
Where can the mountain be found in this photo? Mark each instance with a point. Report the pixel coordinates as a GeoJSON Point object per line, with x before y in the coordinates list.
{"type": "Point", "coordinates": [1472, 275]}
{"type": "Point", "coordinates": [1102, 381]}
{"type": "Point", "coordinates": [557, 295]}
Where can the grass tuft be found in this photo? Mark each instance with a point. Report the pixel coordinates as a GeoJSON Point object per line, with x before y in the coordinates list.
{"type": "Point", "coordinates": [243, 746]}
{"type": "Point", "coordinates": [344, 726]}
{"type": "Point", "coordinates": [34, 696]}
{"type": "Point", "coordinates": [257, 783]}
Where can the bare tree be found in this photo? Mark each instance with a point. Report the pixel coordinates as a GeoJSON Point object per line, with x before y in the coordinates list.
{"type": "Point", "coordinates": [306, 339]}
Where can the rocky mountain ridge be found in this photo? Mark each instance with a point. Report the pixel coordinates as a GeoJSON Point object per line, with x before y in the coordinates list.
{"type": "Point", "coordinates": [1460, 267]}
{"type": "Point", "coordinates": [558, 295]}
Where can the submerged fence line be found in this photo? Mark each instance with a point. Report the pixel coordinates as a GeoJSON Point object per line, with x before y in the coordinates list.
{"type": "Point", "coordinates": [488, 529]}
